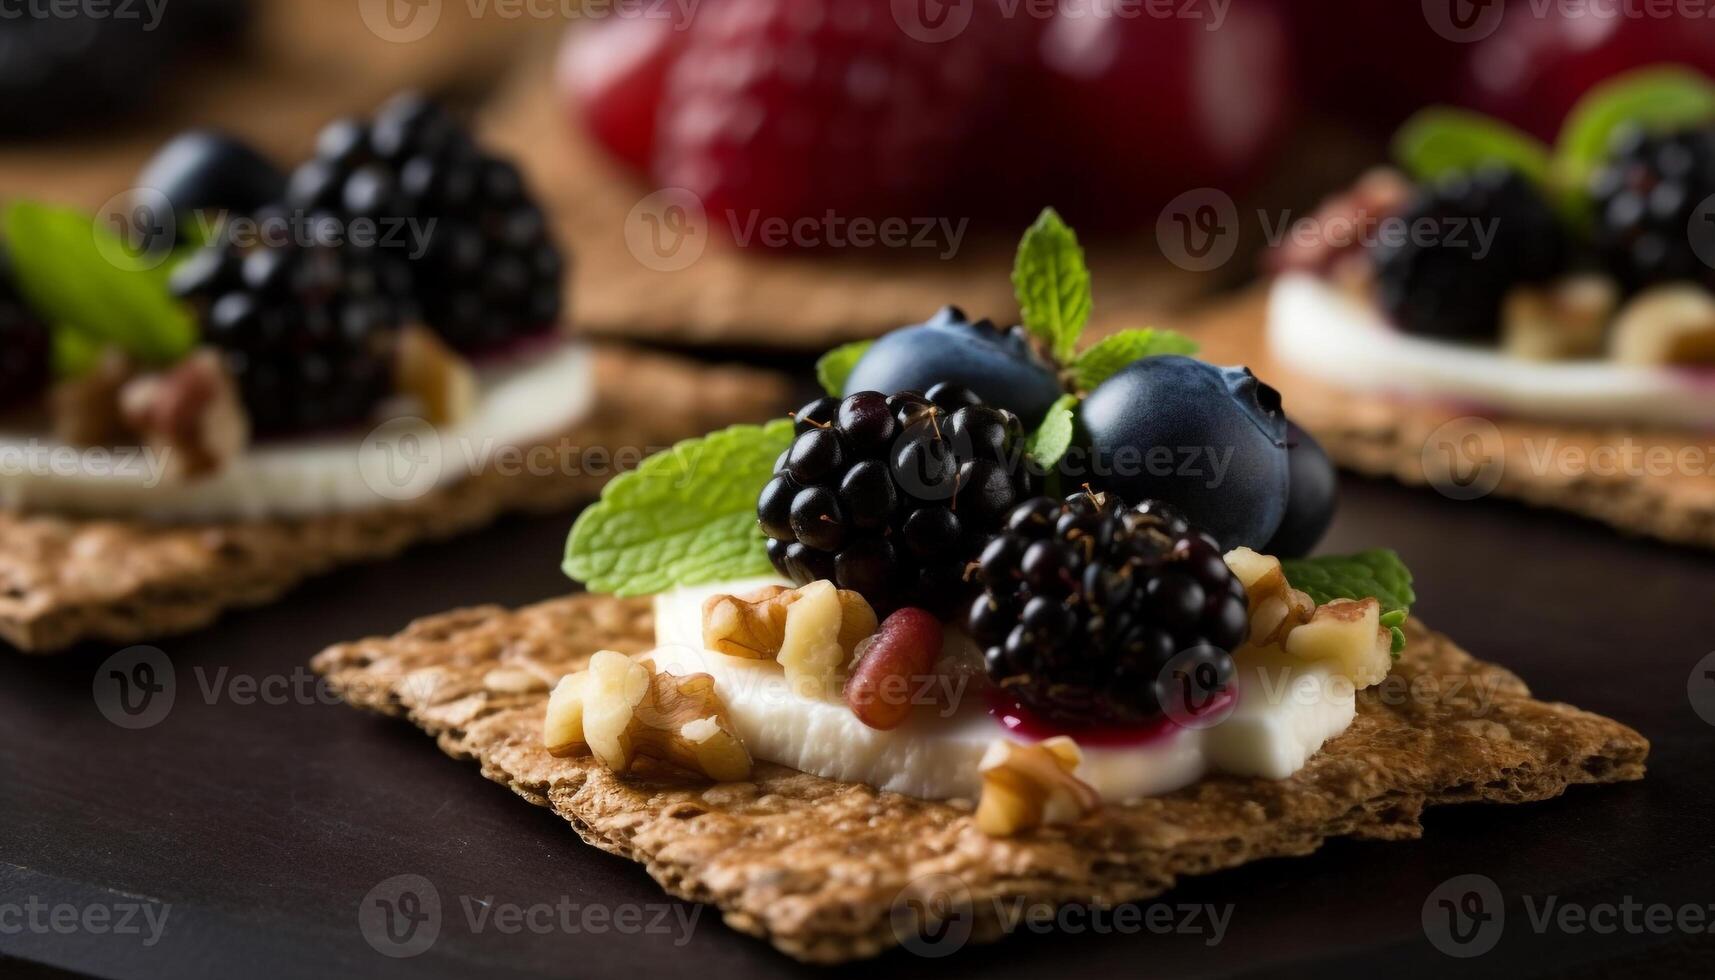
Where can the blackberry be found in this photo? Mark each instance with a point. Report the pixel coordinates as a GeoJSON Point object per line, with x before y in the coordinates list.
{"type": "Point", "coordinates": [484, 269]}
{"type": "Point", "coordinates": [307, 328]}
{"type": "Point", "coordinates": [1487, 231]}
{"type": "Point", "coordinates": [892, 496]}
{"type": "Point", "coordinates": [1087, 602]}
{"type": "Point", "coordinates": [1646, 195]}
{"type": "Point", "coordinates": [25, 346]}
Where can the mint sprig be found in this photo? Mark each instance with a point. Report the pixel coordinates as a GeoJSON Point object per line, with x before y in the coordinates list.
{"type": "Point", "coordinates": [1377, 574]}
{"type": "Point", "coordinates": [69, 271]}
{"type": "Point", "coordinates": [834, 367]}
{"type": "Point", "coordinates": [1438, 141]}
{"type": "Point", "coordinates": [1052, 284]}
{"type": "Point", "coordinates": [1102, 361]}
{"type": "Point", "coordinates": [683, 517]}
{"type": "Point", "coordinates": [1048, 444]}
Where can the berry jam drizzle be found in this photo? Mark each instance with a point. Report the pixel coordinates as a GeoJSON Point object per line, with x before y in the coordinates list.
{"type": "Point", "coordinates": [1023, 722]}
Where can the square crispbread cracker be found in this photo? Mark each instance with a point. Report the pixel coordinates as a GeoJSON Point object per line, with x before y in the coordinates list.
{"type": "Point", "coordinates": [1628, 477]}
{"type": "Point", "coordinates": [819, 868]}
{"type": "Point", "coordinates": [65, 579]}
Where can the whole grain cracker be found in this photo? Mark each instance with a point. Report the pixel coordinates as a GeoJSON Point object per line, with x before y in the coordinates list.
{"type": "Point", "coordinates": [819, 868]}
{"type": "Point", "coordinates": [1549, 464]}
{"type": "Point", "coordinates": [63, 580]}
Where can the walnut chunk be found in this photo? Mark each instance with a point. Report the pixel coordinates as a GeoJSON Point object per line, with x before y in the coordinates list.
{"type": "Point", "coordinates": [85, 410]}
{"type": "Point", "coordinates": [622, 709]}
{"type": "Point", "coordinates": [812, 631]}
{"type": "Point", "coordinates": [1564, 320]}
{"type": "Point", "coordinates": [191, 413]}
{"type": "Point", "coordinates": [443, 382]}
{"type": "Point", "coordinates": [1029, 786]}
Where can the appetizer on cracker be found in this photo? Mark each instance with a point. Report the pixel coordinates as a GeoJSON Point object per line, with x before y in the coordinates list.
{"type": "Point", "coordinates": [889, 616]}
{"type": "Point", "coordinates": [346, 359]}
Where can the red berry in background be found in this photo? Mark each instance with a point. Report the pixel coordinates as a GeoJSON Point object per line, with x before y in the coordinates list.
{"type": "Point", "coordinates": [613, 71]}
{"type": "Point", "coordinates": [1151, 106]}
{"type": "Point", "coordinates": [1533, 68]}
{"type": "Point", "coordinates": [1373, 63]}
{"type": "Point", "coordinates": [787, 109]}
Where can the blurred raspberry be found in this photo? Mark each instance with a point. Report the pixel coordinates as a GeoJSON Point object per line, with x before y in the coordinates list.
{"type": "Point", "coordinates": [787, 109]}
{"type": "Point", "coordinates": [614, 72]}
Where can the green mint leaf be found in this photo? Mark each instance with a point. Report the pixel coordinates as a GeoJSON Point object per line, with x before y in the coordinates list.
{"type": "Point", "coordinates": [1377, 574]}
{"type": "Point", "coordinates": [685, 516]}
{"type": "Point", "coordinates": [1654, 98]}
{"type": "Point", "coordinates": [1438, 142]}
{"type": "Point", "coordinates": [79, 276]}
{"type": "Point", "coordinates": [1099, 363]}
{"type": "Point", "coordinates": [1052, 284]}
{"type": "Point", "coordinates": [1054, 436]}
{"type": "Point", "coordinates": [834, 367]}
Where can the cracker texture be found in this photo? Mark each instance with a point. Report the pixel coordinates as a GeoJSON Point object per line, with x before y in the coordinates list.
{"type": "Point", "coordinates": [817, 867]}
{"type": "Point", "coordinates": [63, 580]}
{"type": "Point", "coordinates": [1397, 439]}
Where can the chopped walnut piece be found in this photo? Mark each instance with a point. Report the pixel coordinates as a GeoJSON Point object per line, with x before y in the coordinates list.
{"type": "Point", "coordinates": [192, 413]}
{"type": "Point", "coordinates": [1028, 786]}
{"type": "Point", "coordinates": [1563, 320]}
{"type": "Point", "coordinates": [85, 410]}
{"type": "Point", "coordinates": [428, 370]}
{"type": "Point", "coordinates": [813, 631]}
{"type": "Point", "coordinates": [622, 709]}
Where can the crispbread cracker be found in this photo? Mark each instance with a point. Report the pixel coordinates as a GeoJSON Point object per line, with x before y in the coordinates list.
{"type": "Point", "coordinates": [818, 867]}
{"type": "Point", "coordinates": [64, 579]}
{"type": "Point", "coordinates": [1578, 468]}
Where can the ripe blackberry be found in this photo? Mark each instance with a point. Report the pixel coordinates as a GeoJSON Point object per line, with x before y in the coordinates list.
{"type": "Point", "coordinates": [307, 328]}
{"type": "Point", "coordinates": [484, 270]}
{"type": "Point", "coordinates": [25, 347]}
{"type": "Point", "coordinates": [1467, 241]}
{"type": "Point", "coordinates": [1086, 603]}
{"type": "Point", "coordinates": [1645, 196]}
{"type": "Point", "coordinates": [892, 496]}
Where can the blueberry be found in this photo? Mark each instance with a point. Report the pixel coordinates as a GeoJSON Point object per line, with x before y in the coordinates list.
{"type": "Point", "coordinates": [1210, 441]}
{"type": "Point", "coordinates": [1310, 498]}
{"type": "Point", "coordinates": [204, 170]}
{"type": "Point", "coordinates": [999, 366]}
